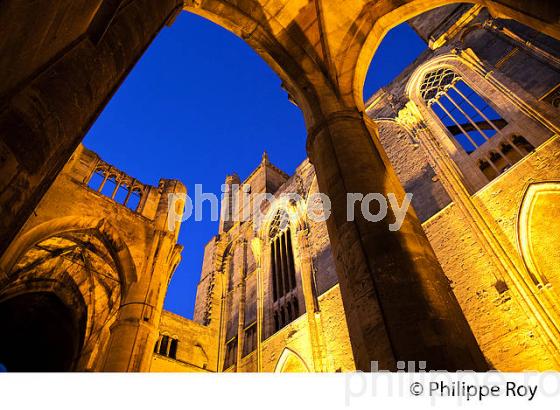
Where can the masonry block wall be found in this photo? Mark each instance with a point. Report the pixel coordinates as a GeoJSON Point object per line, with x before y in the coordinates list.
{"type": "Point", "coordinates": [82, 239]}
{"type": "Point", "coordinates": [497, 310]}
{"type": "Point", "coordinates": [109, 263]}
{"type": "Point", "coordinates": [228, 289]}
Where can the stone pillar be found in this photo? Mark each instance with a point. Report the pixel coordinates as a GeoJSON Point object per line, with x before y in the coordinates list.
{"type": "Point", "coordinates": [44, 119]}
{"type": "Point", "coordinates": [136, 329]}
{"type": "Point", "coordinates": [398, 302]}
{"type": "Point", "coordinates": [256, 248]}
{"type": "Point", "coordinates": [132, 340]}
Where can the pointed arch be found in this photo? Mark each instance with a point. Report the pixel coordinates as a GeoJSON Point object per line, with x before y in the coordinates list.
{"type": "Point", "coordinates": [100, 227]}
{"type": "Point", "coordinates": [377, 18]}
{"type": "Point", "coordinates": [82, 262]}
{"type": "Point", "coordinates": [287, 57]}
{"type": "Point", "coordinates": [291, 362]}
{"type": "Point", "coordinates": [538, 231]}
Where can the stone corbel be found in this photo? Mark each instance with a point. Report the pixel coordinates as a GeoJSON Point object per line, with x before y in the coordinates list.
{"type": "Point", "coordinates": [411, 119]}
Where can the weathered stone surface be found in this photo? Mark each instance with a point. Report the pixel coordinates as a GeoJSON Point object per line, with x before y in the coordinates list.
{"type": "Point", "coordinates": [62, 62]}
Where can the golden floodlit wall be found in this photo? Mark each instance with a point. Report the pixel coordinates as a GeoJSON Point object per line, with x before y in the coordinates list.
{"type": "Point", "coordinates": [491, 214]}
{"type": "Point", "coordinates": [509, 301]}
{"type": "Point", "coordinates": [505, 330]}
{"type": "Point", "coordinates": [111, 264]}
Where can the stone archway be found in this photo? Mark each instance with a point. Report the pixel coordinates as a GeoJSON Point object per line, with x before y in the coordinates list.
{"type": "Point", "coordinates": [373, 20]}
{"type": "Point", "coordinates": [539, 233]}
{"type": "Point", "coordinates": [291, 362]}
{"type": "Point", "coordinates": [40, 333]}
{"type": "Point", "coordinates": [79, 279]}
{"type": "Point", "coordinates": [322, 54]}
{"type": "Point", "coordinates": [58, 80]}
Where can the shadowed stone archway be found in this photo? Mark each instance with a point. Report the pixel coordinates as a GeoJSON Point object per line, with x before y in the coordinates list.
{"type": "Point", "coordinates": [398, 303]}
{"type": "Point", "coordinates": [39, 334]}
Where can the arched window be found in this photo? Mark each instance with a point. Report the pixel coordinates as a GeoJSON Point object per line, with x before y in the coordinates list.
{"type": "Point", "coordinates": [108, 188]}
{"type": "Point", "coordinates": [250, 344]}
{"type": "Point", "coordinates": [476, 127]}
{"type": "Point", "coordinates": [116, 185]}
{"type": "Point", "coordinates": [97, 179]}
{"type": "Point", "coordinates": [167, 346]}
{"type": "Point", "coordinates": [231, 353]}
{"type": "Point", "coordinates": [470, 120]}
{"type": "Point", "coordinates": [521, 143]}
{"type": "Point", "coordinates": [488, 170]}
{"type": "Point", "coordinates": [121, 194]}
{"type": "Point", "coordinates": [133, 201]}
{"type": "Point", "coordinates": [284, 285]}
{"type": "Point", "coordinates": [173, 348]}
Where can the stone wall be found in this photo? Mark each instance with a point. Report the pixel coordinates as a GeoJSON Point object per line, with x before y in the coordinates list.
{"type": "Point", "coordinates": [196, 350]}
{"type": "Point", "coordinates": [120, 260]}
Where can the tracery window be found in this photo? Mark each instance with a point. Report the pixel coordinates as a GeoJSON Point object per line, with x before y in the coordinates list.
{"type": "Point", "coordinates": [470, 120]}
{"type": "Point", "coordinates": [473, 122]}
{"type": "Point", "coordinates": [284, 286]}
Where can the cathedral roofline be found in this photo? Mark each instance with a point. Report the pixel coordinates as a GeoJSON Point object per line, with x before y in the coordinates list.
{"type": "Point", "coordinates": [265, 162]}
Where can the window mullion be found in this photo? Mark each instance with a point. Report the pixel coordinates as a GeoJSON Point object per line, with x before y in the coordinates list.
{"type": "Point", "coordinates": [515, 147]}
{"type": "Point", "coordinates": [468, 117]}
{"type": "Point", "coordinates": [477, 110]}
{"type": "Point", "coordinates": [457, 124]}
{"type": "Point", "coordinates": [501, 154]}
{"type": "Point", "coordinates": [117, 186]}
{"type": "Point", "coordinates": [276, 290]}
{"type": "Point", "coordinates": [291, 261]}
{"type": "Point", "coordinates": [493, 165]}
{"type": "Point", "coordinates": [106, 174]}
{"type": "Point", "coordinates": [279, 268]}
{"type": "Point", "coordinates": [287, 277]}
{"type": "Point", "coordinates": [283, 263]}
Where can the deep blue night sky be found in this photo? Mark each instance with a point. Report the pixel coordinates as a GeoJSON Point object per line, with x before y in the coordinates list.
{"type": "Point", "coordinates": [200, 105]}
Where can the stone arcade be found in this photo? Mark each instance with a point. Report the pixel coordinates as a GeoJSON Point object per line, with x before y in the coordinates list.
{"type": "Point", "coordinates": [470, 281]}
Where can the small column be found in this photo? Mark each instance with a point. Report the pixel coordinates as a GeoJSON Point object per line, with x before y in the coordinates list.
{"type": "Point", "coordinates": [242, 299]}
{"type": "Point", "coordinates": [311, 304]}
{"type": "Point", "coordinates": [489, 160]}
{"type": "Point", "coordinates": [256, 248]}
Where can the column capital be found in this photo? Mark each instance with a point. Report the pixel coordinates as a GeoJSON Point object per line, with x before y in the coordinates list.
{"type": "Point", "coordinates": [411, 118]}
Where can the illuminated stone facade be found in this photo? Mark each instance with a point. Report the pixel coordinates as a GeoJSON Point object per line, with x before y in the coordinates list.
{"type": "Point", "coordinates": [108, 263]}
{"type": "Point", "coordinates": [245, 327]}
{"type": "Point", "coordinates": [488, 231]}
{"type": "Point", "coordinates": [304, 296]}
